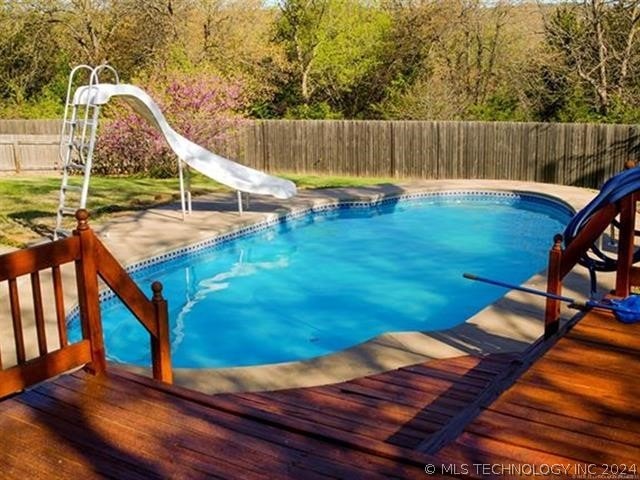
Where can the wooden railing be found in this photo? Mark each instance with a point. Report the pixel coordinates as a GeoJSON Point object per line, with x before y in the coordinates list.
{"type": "Point", "coordinates": [562, 261]}
{"type": "Point", "coordinates": [92, 261]}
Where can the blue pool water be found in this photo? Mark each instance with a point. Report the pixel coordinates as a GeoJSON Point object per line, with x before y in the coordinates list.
{"type": "Point", "coordinates": [327, 281]}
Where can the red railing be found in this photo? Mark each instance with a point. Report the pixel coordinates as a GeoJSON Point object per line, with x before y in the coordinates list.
{"type": "Point", "coordinates": [92, 261]}
{"type": "Point", "coordinates": [562, 261]}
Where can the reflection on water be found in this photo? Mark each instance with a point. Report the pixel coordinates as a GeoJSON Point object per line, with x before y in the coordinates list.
{"type": "Point", "coordinates": [198, 290]}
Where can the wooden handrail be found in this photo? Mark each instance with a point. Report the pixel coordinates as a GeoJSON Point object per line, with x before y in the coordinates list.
{"type": "Point", "coordinates": [92, 260]}
{"type": "Point", "coordinates": [42, 257]}
{"type": "Point", "coordinates": [562, 262]}
{"type": "Point", "coordinates": [125, 289]}
{"type": "Point", "coordinates": [153, 315]}
{"type": "Point", "coordinates": [593, 229]}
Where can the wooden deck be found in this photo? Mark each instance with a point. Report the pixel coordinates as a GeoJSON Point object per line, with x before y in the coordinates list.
{"type": "Point", "coordinates": [579, 403]}
{"type": "Point", "coordinates": [125, 426]}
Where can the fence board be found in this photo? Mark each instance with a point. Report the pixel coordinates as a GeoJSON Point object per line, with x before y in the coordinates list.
{"type": "Point", "coordinates": [30, 127]}
{"type": "Point", "coordinates": [28, 152]}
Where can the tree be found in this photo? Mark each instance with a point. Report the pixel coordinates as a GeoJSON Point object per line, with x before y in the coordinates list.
{"type": "Point", "coordinates": [29, 49]}
{"type": "Point", "coordinates": [464, 65]}
{"type": "Point", "coordinates": [233, 39]}
{"type": "Point", "coordinates": [201, 106]}
{"type": "Point", "coordinates": [128, 34]}
{"type": "Point", "coordinates": [596, 42]}
{"type": "Point", "coordinates": [334, 48]}
{"type": "Point", "coordinates": [349, 57]}
{"type": "Point", "coordinates": [300, 28]}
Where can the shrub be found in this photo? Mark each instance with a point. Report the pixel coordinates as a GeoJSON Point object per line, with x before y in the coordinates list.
{"type": "Point", "coordinates": [203, 108]}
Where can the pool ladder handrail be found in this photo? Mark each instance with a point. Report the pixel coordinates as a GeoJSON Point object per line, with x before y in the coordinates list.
{"type": "Point", "coordinates": [77, 142]}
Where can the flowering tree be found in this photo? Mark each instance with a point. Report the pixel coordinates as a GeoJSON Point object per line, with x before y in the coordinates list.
{"type": "Point", "coordinates": [204, 108]}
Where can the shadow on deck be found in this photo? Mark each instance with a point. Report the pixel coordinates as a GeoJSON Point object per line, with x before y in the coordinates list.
{"type": "Point", "coordinates": [575, 405]}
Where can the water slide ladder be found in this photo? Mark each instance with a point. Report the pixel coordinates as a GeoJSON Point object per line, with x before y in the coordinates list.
{"type": "Point", "coordinates": [77, 143]}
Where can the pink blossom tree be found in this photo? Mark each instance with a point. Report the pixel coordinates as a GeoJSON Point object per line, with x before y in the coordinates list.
{"type": "Point", "coordinates": [203, 107]}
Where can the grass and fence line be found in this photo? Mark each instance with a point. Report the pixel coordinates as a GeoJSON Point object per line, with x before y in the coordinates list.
{"type": "Point", "coordinates": [28, 202]}
{"type": "Point", "coordinates": [570, 154]}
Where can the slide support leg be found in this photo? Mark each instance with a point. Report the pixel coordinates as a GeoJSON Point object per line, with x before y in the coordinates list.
{"type": "Point", "coordinates": [182, 189]}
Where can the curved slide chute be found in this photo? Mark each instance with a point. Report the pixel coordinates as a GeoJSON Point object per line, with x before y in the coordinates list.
{"type": "Point", "coordinates": [220, 169]}
{"type": "Point", "coordinates": [613, 190]}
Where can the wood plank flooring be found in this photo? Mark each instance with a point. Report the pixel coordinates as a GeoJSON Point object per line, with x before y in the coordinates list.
{"type": "Point", "coordinates": [578, 404]}
{"type": "Point", "coordinates": [125, 426]}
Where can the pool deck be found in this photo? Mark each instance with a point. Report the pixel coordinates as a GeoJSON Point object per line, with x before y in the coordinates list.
{"type": "Point", "coordinates": [509, 325]}
{"type": "Point", "coordinates": [575, 409]}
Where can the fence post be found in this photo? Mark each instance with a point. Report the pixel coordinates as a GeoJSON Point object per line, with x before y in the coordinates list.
{"type": "Point", "coordinates": [88, 293]}
{"type": "Point", "coordinates": [554, 285]}
{"type": "Point", "coordinates": [17, 160]}
{"type": "Point", "coordinates": [160, 345]}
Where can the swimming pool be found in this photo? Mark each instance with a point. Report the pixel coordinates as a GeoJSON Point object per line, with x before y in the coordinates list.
{"type": "Point", "coordinates": [318, 283]}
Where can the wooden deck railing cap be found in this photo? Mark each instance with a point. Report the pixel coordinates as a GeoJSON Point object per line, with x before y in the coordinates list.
{"type": "Point", "coordinates": [557, 241]}
{"type": "Point", "coordinates": [156, 288]}
{"type": "Point", "coordinates": [82, 216]}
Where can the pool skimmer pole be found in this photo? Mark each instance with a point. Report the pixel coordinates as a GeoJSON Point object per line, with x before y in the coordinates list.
{"type": "Point", "coordinates": [627, 310]}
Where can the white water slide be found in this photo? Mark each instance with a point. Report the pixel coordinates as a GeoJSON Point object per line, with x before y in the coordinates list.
{"type": "Point", "coordinates": [220, 169]}
{"type": "Point", "coordinates": [79, 135]}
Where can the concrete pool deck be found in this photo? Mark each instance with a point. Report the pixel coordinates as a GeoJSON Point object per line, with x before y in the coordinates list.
{"type": "Point", "coordinates": [509, 325]}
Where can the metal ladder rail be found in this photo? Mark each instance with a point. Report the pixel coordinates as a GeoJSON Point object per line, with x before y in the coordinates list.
{"type": "Point", "coordinates": [91, 115]}
{"type": "Point", "coordinates": [79, 145]}
{"type": "Point", "coordinates": [76, 155]}
{"type": "Point", "coordinates": [87, 156]}
{"type": "Point", "coordinates": [67, 146]}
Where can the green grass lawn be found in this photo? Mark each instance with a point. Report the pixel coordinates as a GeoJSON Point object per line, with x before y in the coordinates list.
{"type": "Point", "coordinates": [28, 203]}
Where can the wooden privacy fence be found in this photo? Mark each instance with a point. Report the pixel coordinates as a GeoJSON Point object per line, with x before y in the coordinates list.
{"type": "Point", "coordinates": [29, 145]}
{"type": "Point", "coordinates": [25, 153]}
{"type": "Point", "coordinates": [569, 154]}
{"type": "Point", "coordinates": [92, 261]}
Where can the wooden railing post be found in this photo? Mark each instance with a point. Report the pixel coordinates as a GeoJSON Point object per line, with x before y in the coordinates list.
{"type": "Point", "coordinates": [88, 293]}
{"type": "Point", "coordinates": [626, 240]}
{"type": "Point", "coordinates": [626, 244]}
{"type": "Point", "coordinates": [160, 345]}
{"type": "Point", "coordinates": [554, 286]}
